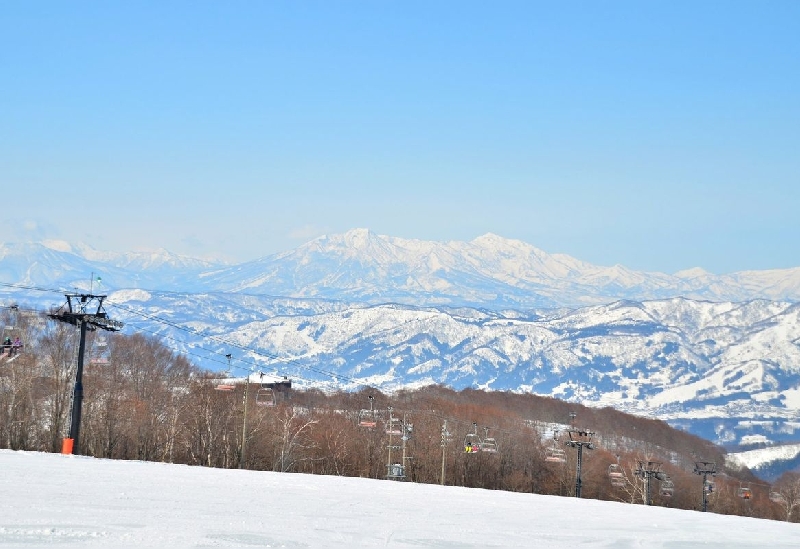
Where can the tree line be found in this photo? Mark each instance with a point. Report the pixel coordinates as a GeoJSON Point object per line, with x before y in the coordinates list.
{"type": "Point", "coordinates": [143, 401]}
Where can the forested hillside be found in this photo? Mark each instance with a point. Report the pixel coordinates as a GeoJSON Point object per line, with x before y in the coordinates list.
{"type": "Point", "coordinates": [144, 402]}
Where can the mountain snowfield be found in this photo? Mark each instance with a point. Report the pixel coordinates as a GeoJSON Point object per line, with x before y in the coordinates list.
{"type": "Point", "coordinates": [713, 354]}
{"type": "Point", "coordinates": [74, 501]}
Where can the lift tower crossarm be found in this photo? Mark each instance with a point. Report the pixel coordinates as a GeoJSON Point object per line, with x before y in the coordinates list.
{"type": "Point", "coordinates": [85, 311]}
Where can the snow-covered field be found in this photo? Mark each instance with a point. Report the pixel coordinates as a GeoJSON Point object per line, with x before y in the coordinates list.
{"type": "Point", "coordinates": [72, 501]}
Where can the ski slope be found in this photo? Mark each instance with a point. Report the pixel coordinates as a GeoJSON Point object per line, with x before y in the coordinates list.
{"type": "Point", "coordinates": [74, 501]}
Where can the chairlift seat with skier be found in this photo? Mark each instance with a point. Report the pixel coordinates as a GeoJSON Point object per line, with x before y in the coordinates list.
{"type": "Point", "coordinates": [472, 443]}
{"type": "Point", "coordinates": [12, 344]}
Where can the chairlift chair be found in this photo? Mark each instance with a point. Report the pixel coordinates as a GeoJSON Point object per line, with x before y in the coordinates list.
{"type": "Point", "coordinates": [615, 471]}
{"type": "Point", "coordinates": [394, 426]}
{"type": "Point", "coordinates": [489, 445]}
{"type": "Point", "coordinates": [366, 418]}
{"type": "Point", "coordinates": [554, 454]}
{"type": "Point", "coordinates": [265, 396]}
{"type": "Point", "coordinates": [777, 497]}
{"type": "Point", "coordinates": [667, 488]}
{"type": "Point", "coordinates": [99, 354]}
{"type": "Point", "coordinates": [616, 475]}
{"type": "Point", "coordinates": [745, 492]}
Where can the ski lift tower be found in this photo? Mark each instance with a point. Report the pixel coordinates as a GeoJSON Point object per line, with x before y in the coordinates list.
{"type": "Point", "coordinates": [705, 468]}
{"type": "Point", "coordinates": [647, 470]}
{"type": "Point", "coordinates": [579, 438]}
{"type": "Point", "coordinates": [85, 311]}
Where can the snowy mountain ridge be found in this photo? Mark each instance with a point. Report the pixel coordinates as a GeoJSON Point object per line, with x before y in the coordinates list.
{"type": "Point", "coordinates": [359, 265]}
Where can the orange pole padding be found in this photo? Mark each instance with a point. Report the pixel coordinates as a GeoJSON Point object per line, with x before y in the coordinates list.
{"type": "Point", "coordinates": [66, 446]}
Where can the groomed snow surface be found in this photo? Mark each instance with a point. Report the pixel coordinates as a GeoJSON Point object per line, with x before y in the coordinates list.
{"type": "Point", "coordinates": [75, 501]}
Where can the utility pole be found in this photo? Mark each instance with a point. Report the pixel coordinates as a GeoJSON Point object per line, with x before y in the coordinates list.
{"type": "Point", "coordinates": [407, 428]}
{"type": "Point", "coordinates": [445, 436]}
{"type": "Point", "coordinates": [579, 438]}
{"type": "Point", "coordinates": [705, 468]}
{"type": "Point", "coordinates": [76, 311]}
{"type": "Point", "coordinates": [391, 430]}
{"type": "Point", "coordinates": [243, 453]}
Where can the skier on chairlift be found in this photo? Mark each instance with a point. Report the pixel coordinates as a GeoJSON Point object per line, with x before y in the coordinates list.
{"type": "Point", "coordinates": [16, 347]}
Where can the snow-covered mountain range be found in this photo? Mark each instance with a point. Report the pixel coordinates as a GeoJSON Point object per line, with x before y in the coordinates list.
{"type": "Point", "coordinates": [487, 272]}
{"type": "Point", "coordinates": [717, 355]}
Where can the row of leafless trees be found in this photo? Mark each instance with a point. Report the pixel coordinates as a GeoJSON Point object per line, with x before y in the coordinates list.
{"type": "Point", "coordinates": [142, 401]}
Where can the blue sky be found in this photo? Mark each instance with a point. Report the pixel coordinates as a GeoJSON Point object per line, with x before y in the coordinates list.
{"type": "Point", "coordinates": [657, 135]}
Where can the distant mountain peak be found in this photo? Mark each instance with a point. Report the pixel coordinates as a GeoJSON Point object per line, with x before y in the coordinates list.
{"type": "Point", "coordinates": [492, 240]}
{"type": "Point", "coordinates": [359, 238]}
{"type": "Point", "coordinates": [696, 272]}
{"type": "Point", "coordinates": [58, 246]}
